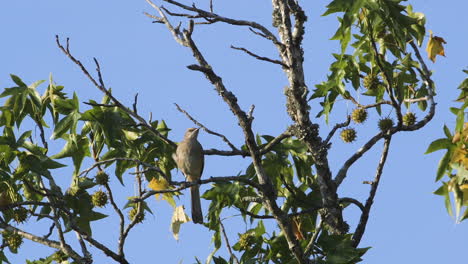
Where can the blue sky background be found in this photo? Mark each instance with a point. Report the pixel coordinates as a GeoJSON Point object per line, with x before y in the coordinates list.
{"type": "Point", "coordinates": [408, 223]}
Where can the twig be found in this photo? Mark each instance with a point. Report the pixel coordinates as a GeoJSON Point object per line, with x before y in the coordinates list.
{"type": "Point", "coordinates": [44, 241]}
{"type": "Point", "coordinates": [224, 138]}
{"type": "Point", "coordinates": [336, 127]}
{"type": "Point", "coordinates": [261, 57]}
{"type": "Point", "coordinates": [184, 185]}
{"type": "Point", "coordinates": [228, 245]}
{"type": "Point", "coordinates": [310, 245]}
{"type": "Point", "coordinates": [306, 211]}
{"type": "Point", "coordinates": [103, 89]}
{"type": "Point", "coordinates": [353, 201]}
{"type": "Point", "coordinates": [388, 79]}
{"type": "Point", "coordinates": [51, 230]}
{"type": "Point", "coordinates": [102, 105]}
{"type": "Point", "coordinates": [102, 162]}
{"type": "Point", "coordinates": [217, 18]}
{"type": "Point", "coordinates": [359, 232]}
{"type": "Point", "coordinates": [341, 175]}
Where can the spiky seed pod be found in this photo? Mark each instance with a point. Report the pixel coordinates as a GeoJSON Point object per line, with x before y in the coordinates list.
{"type": "Point", "coordinates": [99, 198]}
{"type": "Point", "coordinates": [59, 256]}
{"type": "Point", "coordinates": [13, 240]}
{"type": "Point", "coordinates": [359, 115]}
{"type": "Point", "coordinates": [348, 135]}
{"type": "Point", "coordinates": [102, 178]}
{"type": "Point", "coordinates": [20, 215]}
{"type": "Point", "coordinates": [371, 81]}
{"type": "Point", "coordinates": [245, 240]}
{"type": "Point", "coordinates": [133, 214]}
{"type": "Point", "coordinates": [385, 124]}
{"type": "Point", "coordinates": [409, 119]}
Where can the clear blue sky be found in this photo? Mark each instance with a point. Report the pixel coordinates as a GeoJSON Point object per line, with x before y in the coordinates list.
{"type": "Point", "coordinates": [408, 223]}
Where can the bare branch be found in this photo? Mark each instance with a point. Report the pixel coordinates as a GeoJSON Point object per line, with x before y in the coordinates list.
{"type": "Point", "coordinates": [184, 185]}
{"type": "Point", "coordinates": [359, 232]}
{"type": "Point", "coordinates": [102, 162]}
{"type": "Point", "coordinates": [310, 245]}
{"type": "Point", "coordinates": [44, 241]}
{"type": "Point", "coordinates": [228, 245]}
{"type": "Point", "coordinates": [224, 138]}
{"type": "Point", "coordinates": [217, 18]}
{"type": "Point", "coordinates": [341, 175]}
{"type": "Point", "coordinates": [336, 127]}
{"type": "Point", "coordinates": [387, 77]}
{"type": "Point", "coordinates": [103, 89]}
{"type": "Point", "coordinates": [353, 201]}
{"type": "Point", "coordinates": [260, 57]}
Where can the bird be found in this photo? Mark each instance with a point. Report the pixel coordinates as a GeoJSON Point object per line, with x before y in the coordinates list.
{"type": "Point", "coordinates": [190, 160]}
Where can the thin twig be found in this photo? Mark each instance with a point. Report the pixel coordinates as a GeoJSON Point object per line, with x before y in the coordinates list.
{"type": "Point", "coordinates": [336, 127]}
{"type": "Point", "coordinates": [353, 201]}
{"type": "Point", "coordinates": [103, 89]}
{"type": "Point", "coordinates": [361, 227]}
{"type": "Point", "coordinates": [261, 57]}
{"type": "Point", "coordinates": [228, 245]}
{"type": "Point", "coordinates": [224, 138]}
{"type": "Point", "coordinates": [310, 245]}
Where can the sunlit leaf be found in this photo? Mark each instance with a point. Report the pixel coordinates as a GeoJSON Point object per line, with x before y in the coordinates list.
{"type": "Point", "coordinates": [435, 47]}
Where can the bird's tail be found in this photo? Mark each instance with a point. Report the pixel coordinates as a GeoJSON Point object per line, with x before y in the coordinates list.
{"type": "Point", "coordinates": [197, 215]}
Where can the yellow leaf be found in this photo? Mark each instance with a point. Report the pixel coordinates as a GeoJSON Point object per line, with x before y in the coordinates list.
{"type": "Point", "coordinates": [179, 217]}
{"type": "Point", "coordinates": [460, 156]}
{"type": "Point", "coordinates": [296, 226]}
{"type": "Point", "coordinates": [435, 47]}
{"type": "Point", "coordinates": [158, 185]}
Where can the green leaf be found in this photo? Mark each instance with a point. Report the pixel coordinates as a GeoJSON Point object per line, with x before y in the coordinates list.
{"type": "Point", "coordinates": [65, 124]}
{"type": "Point", "coordinates": [443, 165]}
{"type": "Point", "coordinates": [77, 147]}
{"type": "Point", "coordinates": [219, 260]}
{"type": "Point", "coordinates": [438, 144]}
{"type": "Point", "coordinates": [17, 80]}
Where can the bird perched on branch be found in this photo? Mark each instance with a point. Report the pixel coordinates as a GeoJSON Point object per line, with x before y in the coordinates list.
{"type": "Point", "coordinates": [190, 160]}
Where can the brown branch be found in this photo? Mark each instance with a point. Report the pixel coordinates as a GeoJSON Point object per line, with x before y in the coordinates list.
{"type": "Point", "coordinates": [103, 89]}
{"type": "Point", "coordinates": [260, 57]}
{"type": "Point", "coordinates": [228, 245]}
{"type": "Point", "coordinates": [213, 17]}
{"type": "Point", "coordinates": [310, 246]}
{"type": "Point", "coordinates": [224, 138]}
{"type": "Point", "coordinates": [361, 227]}
{"type": "Point", "coordinates": [306, 211]}
{"type": "Point", "coordinates": [388, 79]}
{"type": "Point", "coordinates": [184, 185]}
{"type": "Point", "coordinates": [336, 127]}
{"type": "Point", "coordinates": [353, 201]}
{"type": "Point", "coordinates": [341, 175]}
{"type": "Point", "coordinates": [44, 241]}
{"type": "Point", "coordinates": [102, 162]}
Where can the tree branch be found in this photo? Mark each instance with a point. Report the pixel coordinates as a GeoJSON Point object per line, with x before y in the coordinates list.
{"type": "Point", "coordinates": [260, 57]}
{"type": "Point", "coordinates": [224, 138]}
{"type": "Point", "coordinates": [359, 232]}
{"type": "Point", "coordinates": [103, 89]}
{"type": "Point", "coordinates": [44, 241]}
{"type": "Point", "coordinates": [228, 245]}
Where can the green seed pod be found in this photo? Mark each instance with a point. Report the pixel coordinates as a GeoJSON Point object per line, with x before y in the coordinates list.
{"type": "Point", "coordinates": [348, 135]}
{"type": "Point", "coordinates": [409, 119]}
{"type": "Point", "coordinates": [385, 124]}
{"type": "Point", "coordinates": [132, 214]}
{"type": "Point", "coordinates": [99, 198]}
{"type": "Point", "coordinates": [20, 215]}
{"type": "Point", "coordinates": [59, 256]}
{"type": "Point", "coordinates": [13, 240]}
{"type": "Point", "coordinates": [359, 115]}
{"type": "Point", "coordinates": [102, 178]}
{"type": "Point", "coordinates": [370, 82]}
